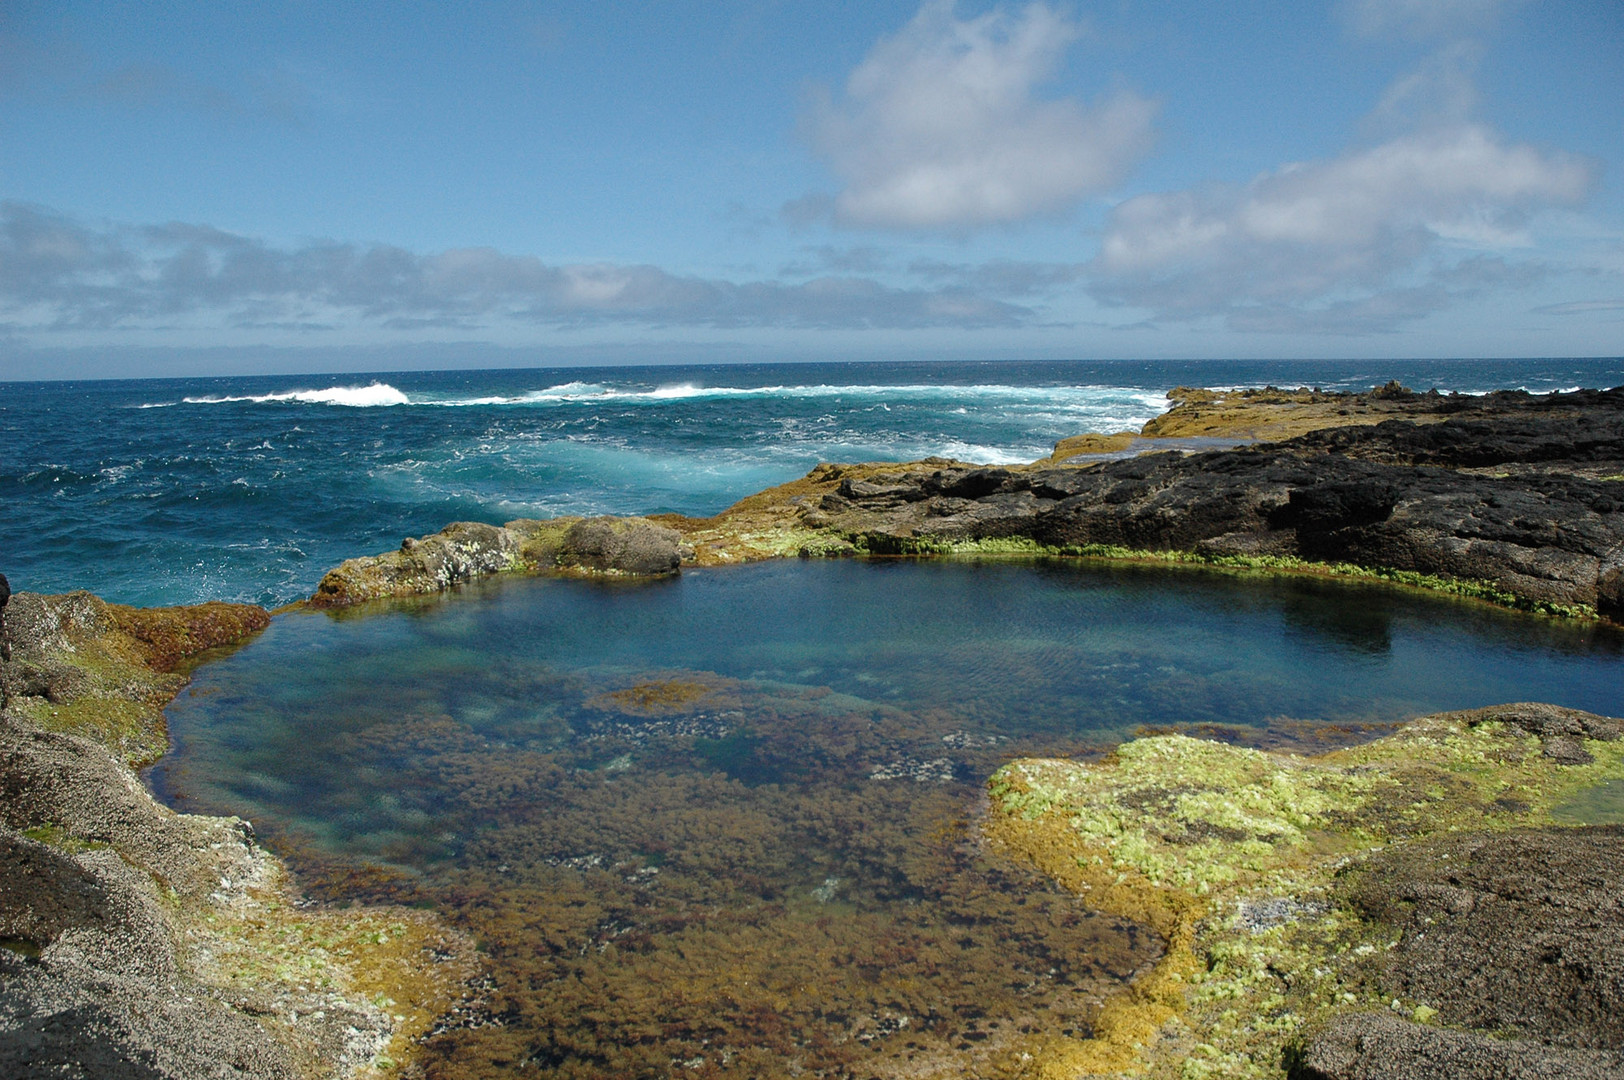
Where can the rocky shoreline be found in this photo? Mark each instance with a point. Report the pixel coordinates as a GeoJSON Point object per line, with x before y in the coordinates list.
{"type": "Point", "coordinates": [138, 943]}
{"type": "Point", "coordinates": [1513, 498]}
{"type": "Point", "coordinates": [1312, 925]}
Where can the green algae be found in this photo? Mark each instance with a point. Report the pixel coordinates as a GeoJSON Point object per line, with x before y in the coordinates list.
{"type": "Point", "coordinates": [62, 838]}
{"type": "Point", "coordinates": [133, 729]}
{"type": "Point", "coordinates": [1599, 805]}
{"type": "Point", "coordinates": [1230, 852]}
{"type": "Point", "coordinates": [884, 544]}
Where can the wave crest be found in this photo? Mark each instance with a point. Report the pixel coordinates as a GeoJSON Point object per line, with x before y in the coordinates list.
{"type": "Point", "coordinates": [356, 397]}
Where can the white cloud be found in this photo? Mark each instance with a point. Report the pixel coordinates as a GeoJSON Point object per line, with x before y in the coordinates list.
{"type": "Point", "coordinates": [1422, 18]}
{"type": "Point", "coordinates": [58, 275]}
{"type": "Point", "coordinates": [940, 126]}
{"type": "Point", "coordinates": [1440, 92]}
{"type": "Point", "coordinates": [1329, 234]}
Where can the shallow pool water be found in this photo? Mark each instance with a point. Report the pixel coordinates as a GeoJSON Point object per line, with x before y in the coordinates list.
{"type": "Point", "coordinates": [723, 825]}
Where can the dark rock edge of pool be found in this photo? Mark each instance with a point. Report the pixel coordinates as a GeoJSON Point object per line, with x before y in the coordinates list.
{"type": "Point", "coordinates": [136, 942]}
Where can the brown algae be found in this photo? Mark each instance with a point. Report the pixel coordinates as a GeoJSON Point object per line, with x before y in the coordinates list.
{"type": "Point", "coordinates": [780, 865]}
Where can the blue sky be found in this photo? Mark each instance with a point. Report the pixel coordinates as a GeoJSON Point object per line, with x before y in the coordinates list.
{"type": "Point", "coordinates": [197, 188]}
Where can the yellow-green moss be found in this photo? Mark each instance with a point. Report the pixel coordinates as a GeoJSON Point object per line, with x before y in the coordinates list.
{"type": "Point", "coordinates": [1191, 836]}
{"type": "Point", "coordinates": [291, 958]}
{"type": "Point", "coordinates": [133, 730]}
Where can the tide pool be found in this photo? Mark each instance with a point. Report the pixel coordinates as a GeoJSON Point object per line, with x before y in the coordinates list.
{"type": "Point", "coordinates": [727, 820]}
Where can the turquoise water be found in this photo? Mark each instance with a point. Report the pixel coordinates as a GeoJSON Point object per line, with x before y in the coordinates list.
{"type": "Point", "coordinates": [1051, 655]}
{"type": "Point", "coordinates": [182, 490]}
{"type": "Point", "coordinates": [645, 798]}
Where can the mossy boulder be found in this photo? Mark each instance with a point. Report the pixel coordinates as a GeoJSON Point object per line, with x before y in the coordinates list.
{"type": "Point", "coordinates": [465, 550]}
{"type": "Point", "coordinates": [633, 546]}
{"type": "Point", "coordinates": [460, 552]}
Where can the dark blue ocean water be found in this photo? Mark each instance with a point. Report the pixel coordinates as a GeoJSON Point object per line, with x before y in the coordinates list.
{"type": "Point", "coordinates": [174, 491]}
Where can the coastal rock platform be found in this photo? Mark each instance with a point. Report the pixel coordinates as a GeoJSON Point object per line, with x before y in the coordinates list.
{"type": "Point", "coordinates": [1415, 906]}
{"type": "Point", "coordinates": [1509, 497]}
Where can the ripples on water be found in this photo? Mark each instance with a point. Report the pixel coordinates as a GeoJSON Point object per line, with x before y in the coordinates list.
{"type": "Point", "coordinates": [724, 825]}
{"type": "Point", "coordinates": [174, 491]}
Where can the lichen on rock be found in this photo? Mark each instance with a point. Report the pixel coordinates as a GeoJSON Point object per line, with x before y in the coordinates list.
{"type": "Point", "coordinates": [466, 550]}
{"type": "Point", "coordinates": [1241, 859]}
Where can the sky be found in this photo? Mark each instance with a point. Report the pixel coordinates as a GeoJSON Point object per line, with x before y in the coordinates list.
{"type": "Point", "coordinates": [207, 188]}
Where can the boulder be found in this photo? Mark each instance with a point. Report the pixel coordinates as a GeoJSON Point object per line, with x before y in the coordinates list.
{"type": "Point", "coordinates": [622, 545]}
{"type": "Point", "coordinates": [460, 552]}
{"type": "Point", "coordinates": [1519, 933]}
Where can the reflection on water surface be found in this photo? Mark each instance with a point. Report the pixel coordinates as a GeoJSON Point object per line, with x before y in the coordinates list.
{"type": "Point", "coordinates": [723, 825]}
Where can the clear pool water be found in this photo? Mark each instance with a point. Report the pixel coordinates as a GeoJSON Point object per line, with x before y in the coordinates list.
{"type": "Point", "coordinates": [723, 825]}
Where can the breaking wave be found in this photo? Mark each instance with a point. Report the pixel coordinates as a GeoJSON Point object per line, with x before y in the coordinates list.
{"type": "Point", "coordinates": [356, 397]}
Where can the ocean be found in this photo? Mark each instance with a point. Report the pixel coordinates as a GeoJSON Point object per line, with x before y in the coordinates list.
{"type": "Point", "coordinates": [183, 490]}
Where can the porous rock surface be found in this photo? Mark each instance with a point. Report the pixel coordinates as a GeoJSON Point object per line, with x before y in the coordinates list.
{"type": "Point", "coordinates": [89, 985]}
{"type": "Point", "coordinates": [1518, 490]}
{"type": "Point", "coordinates": [1381, 1046]}
{"type": "Point", "coordinates": [89, 982]}
{"type": "Point", "coordinates": [1517, 938]}
{"type": "Point", "coordinates": [1561, 731]}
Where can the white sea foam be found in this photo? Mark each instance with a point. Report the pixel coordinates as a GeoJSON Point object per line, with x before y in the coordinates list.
{"type": "Point", "coordinates": [1070, 398]}
{"type": "Point", "coordinates": [1044, 412]}
{"type": "Point", "coordinates": [359, 397]}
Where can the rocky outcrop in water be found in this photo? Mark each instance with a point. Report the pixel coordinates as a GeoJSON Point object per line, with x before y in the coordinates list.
{"type": "Point", "coordinates": [1509, 496]}
{"type": "Point", "coordinates": [1522, 492]}
{"type": "Point", "coordinates": [465, 550]}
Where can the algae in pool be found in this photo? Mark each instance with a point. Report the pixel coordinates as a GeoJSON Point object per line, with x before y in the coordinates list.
{"type": "Point", "coordinates": [1599, 805]}
{"type": "Point", "coordinates": [723, 825]}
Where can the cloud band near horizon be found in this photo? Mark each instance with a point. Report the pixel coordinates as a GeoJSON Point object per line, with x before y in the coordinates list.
{"type": "Point", "coordinates": [57, 274]}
